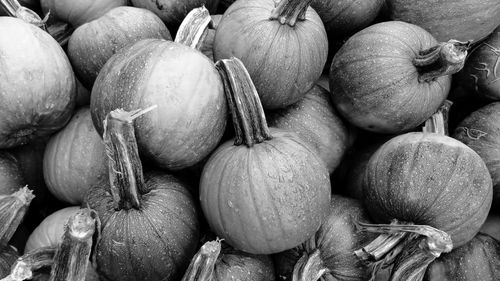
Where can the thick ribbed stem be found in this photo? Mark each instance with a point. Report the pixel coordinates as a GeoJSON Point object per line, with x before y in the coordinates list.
{"type": "Point", "coordinates": [24, 267]}
{"type": "Point", "coordinates": [244, 103]}
{"type": "Point", "coordinates": [202, 265]}
{"type": "Point", "coordinates": [12, 210]}
{"type": "Point", "coordinates": [194, 28]}
{"type": "Point", "coordinates": [444, 59]}
{"type": "Point", "coordinates": [125, 167]}
{"type": "Point", "coordinates": [290, 11]}
{"type": "Point", "coordinates": [309, 267]}
{"type": "Point", "coordinates": [438, 123]}
{"type": "Point", "coordinates": [60, 31]}
{"type": "Point", "coordinates": [14, 9]}
{"type": "Point", "coordinates": [412, 263]}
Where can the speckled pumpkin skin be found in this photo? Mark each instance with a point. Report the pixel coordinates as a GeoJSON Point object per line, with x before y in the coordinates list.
{"type": "Point", "coordinates": [240, 266]}
{"type": "Point", "coordinates": [284, 62]}
{"type": "Point", "coordinates": [374, 83]}
{"type": "Point", "coordinates": [268, 198]}
{"type": "Point", "coordinates": [153, 243]}
{"type": "Point", "coordinates": [190, 117]}
{"type": "Point", "coordinates": [449, 19]}
{"type": "Point", "coordinates": [37, 84]}
{"type": "Point", "coordinates": [429, 179]}
{"type": "Point", "coordinates": [477, 260]}
{"type": "Point", "coordinates": [11, 177]}
{"type": "Point", "coordinates": [8, 257]}
{"type": "Point", "coordinates": [92, 44]}
{"type": "Point", "coordinates": [315, 120]}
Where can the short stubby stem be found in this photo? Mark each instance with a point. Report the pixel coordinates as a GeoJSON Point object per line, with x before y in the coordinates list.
{"type": "Point", "coordinates": [309, 267]}
{"type": "Point", "coordinates": [438, 123]}
{"type": "Point", "coordinates": [194, 28]}
{"type": "Point", "coordinates": [202, 265]}
{"type": "Point", "coordinates": [26, 265]}
{"type": "Point", "coordinates": [12, 210]}
{"type": "Point", "coordinates": [290, 11]}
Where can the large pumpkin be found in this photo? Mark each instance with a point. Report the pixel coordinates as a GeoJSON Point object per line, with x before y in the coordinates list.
{"type": "Point", "coordinates": [284, 47]}
{"type": "Point", "coordinates": [392, 76]}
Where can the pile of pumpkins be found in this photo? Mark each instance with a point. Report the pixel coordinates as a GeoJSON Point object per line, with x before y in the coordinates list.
{"type": "Point", "coordinates": [249, 140]}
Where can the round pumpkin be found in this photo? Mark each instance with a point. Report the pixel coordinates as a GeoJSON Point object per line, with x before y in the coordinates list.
{"type": "Point", "coordinates": [392, 76]}
{"type": "Point", "coordinates": [75, 159]}
{"type": "Point", "coordinates": [449, 19]}
{"type": "Point", "coordinates": [93, 43]}
{"type": "Point", "coordinates": [37, 85]}
{"type": "Point", "coordinates": [11, 177]}
{"type": "Point", "coordinates": [79, 12]}
{"type": "Point", "coordinates": [315, 120]}
{"type": "Point", "coordinates": [283, 51]}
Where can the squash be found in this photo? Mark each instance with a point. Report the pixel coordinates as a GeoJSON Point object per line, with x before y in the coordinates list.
{"type": "Point", "coordinates": [93, 43]}
{"type": "Point", "coordinates": [181, 81]}
{"type": "Point", "coordinates": [45, 105]}
{"type": "Point", "coordinates": [11, 177]}
{"type": "Point", "coordinates": [392, 76]}
{"type": "Point", "coordinates": [477, 260]}
{"type": "Point", "coordinates": [266, 182]}
{"type": "Point", "coordinates": [315, 120]}
{"type": "Point", "coordinates": [481, 73]}
{"type": "Point", "coordinates": [449, 19]}
{"type": "Point", "coordinates": [74, 159]}
{"type": "Point", "coordinates": [480, 131]}
{"type": "Point", "coordinates": [149, 221]}
{"type": "Point", "coordinates": [79, 12]}
{"type": "Point", "coordinates": [284, 48]}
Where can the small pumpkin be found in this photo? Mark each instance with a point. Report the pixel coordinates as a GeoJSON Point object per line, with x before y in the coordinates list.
{"type": "Point", "coordinates": [392, 76]}
{"type": "Point", "coordinates": [11, 177]}
{"type": "Point", "coordinates": [267, 182]}
{"type": "Point", "coordinates": [315, 120]}
{"type": "Point", "coordinates": [181, 81]}
{"type": "Point", "coordinates": [45, 105]}
{"type": "Point", "coordinates": [74, 159]}
{"type": "Point", "coordinates": [283, 46]}
{"type": "Point", "coordinates": [93, 43]}
{"type": "Point", "coordinates": [449, 19]}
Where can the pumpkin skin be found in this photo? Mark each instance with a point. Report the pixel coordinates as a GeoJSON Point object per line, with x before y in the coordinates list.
{"type": "Point", "coordinates": [284, 62]}
{"type": "Point", "coordinates": [292, 177]}
{"type": "Point", "coordinates": [429, 179]}
{"type": "Point", "coordinates": [11, 177]}
{"type": "Point", "coordinates": [342, 18]}
{"type": "Point", "coordinates": [75, 159]}
{"type": "Point", "coordinates": [93, 43]}
{"type": "Point", "coordinates": [79, 12]}
{"type": "Point", "coordinates": [449, 19]}
{"type": "Point", "coordinates": [481, 73]}
{"type": "Point", "coordinates": [477, 260]}
{"type": "Point", "coordinates": [492, 226]}
{"type": "Point", "coordinates": [374, 83]}
{"type": "Point", "coordinates": [45, 105]}
{"type": "Point", "coordinates": [165, 227]}
{"type": "Point", "coordinates": [8, 257]}
{"type": "Point", "coordinates": [185, 86]}
{"type": "Point", "coordinates": [315, 120]}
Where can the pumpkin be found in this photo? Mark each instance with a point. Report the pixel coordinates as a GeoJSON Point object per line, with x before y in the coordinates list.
{"type": "Point", "coordinates": [492, 226]}
{"type": "Point", "coordinates": [445, 19]}
{"type": "Point", "coordinates": [267, 182]}
{"type": "Point", "coordinates": [79, 12]}
{"type": "Point", "coordinates": [93, 43]}
{"type": "Point", "coordinates": [392, 76]}
{"type": "Point", "coordinates": [8, 255]}
{"type": "Point", "coordinates": [480, 131]}
{"type": "Point", "coordinates": [343, 18]}
{"type": "Point", "coordinates": [149, 221]}
{"type": "Point", "coordinates": [45, 105]}
{"type": "Point", "coordinates": [173, 12]}
{"type": "Point", "coordinates": [315, 120]}
{"type": "Point", "coordinates": [284, 48]}
{"type": "Point", "coordinates": [327, 255]}
{"type": "Point", "coordinates": [481, 73]}
{"type": "Point", "coordinates": [218, 261]}
{"type": "Point", "coordinates": [207, 47]}
{"type": "Point", "coordinates": [11, 177]}
{"type": "Point", "coordinates": [181, 81]}
{"type": "Point", "coordinates": [477, 260]}
{"type": "Point", "coordinates": [74, 159]}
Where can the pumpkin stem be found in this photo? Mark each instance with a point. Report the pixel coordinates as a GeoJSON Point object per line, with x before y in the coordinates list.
{"type": "Point", "coordinates": [60, 31]}
{"type": "Point", "coordinates": [412, 263]}
{"type": "Point", "coordinates": [438, 123]}
{"type": "Point", "coordinates": [444, 59]}
{"type": "Point", "coordinates": [202, 265]}
{"type": "Point", "coordinates": [72, 256]}
{"type": "Point", "coordinates": [12, 210]}
{"type": "Point", "coordinates": [290, 11]}
{"type": "Point", "coordinates": [194, 28]}
{"type": "Point", "coordinates": [309, 267]}
{"type": "Point", "coordinates": [125, 167]}
{"type": "Point", "coordinates": [14, 9]}
{"type": "Point", "coordinates": [24, 267]}
{"type": "Point", "coordinates": [244, 103]}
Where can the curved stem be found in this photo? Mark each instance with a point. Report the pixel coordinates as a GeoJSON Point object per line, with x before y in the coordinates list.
{"type": "Point", "coordinates": [202, 265]}
{"type": "Point", "coordinates": [14, 9]}
{"type": "Point", "coordinates": [24, 267]}
{"type": "Point", "coordinates": [444, 59]}
{"type": "Point", "coordinates": [244, 103]}
{"type": "Point", "coordinates": [438, 123]}
{"type": "Point", "coordinates": [194, 28]}
{"type": "Point", "coordinates": [12, 210]}
{"type": "Point", "coordinates": [412, 263]}
{"type": "Point", "coordinates": [125, 167]}
{"type": "Point", "coordinates": [309, 267]}
{"type": "Point", "coordinates": [290, 11]}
